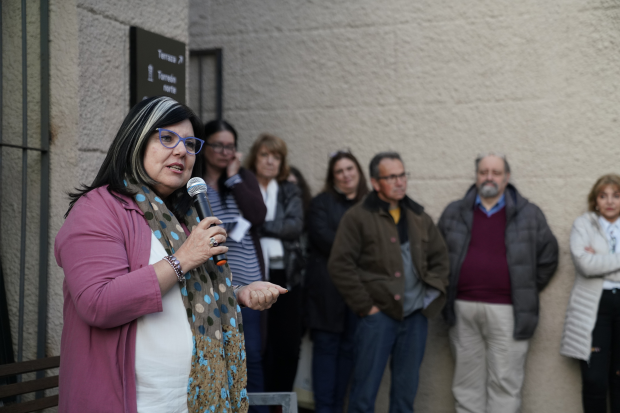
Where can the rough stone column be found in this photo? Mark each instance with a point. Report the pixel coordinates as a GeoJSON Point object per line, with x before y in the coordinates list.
{"type": "Point", "coordinates": [90, 98]}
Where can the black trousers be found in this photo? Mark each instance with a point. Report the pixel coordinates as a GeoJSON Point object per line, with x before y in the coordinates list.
{"type": "Point", "coordinates": [284, 327]}
{"type": "Point", "coordinates": [602, 373]}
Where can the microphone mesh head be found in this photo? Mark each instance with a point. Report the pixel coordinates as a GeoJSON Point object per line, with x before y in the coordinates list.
{"type": "Point", "coordinates": [196, 186]}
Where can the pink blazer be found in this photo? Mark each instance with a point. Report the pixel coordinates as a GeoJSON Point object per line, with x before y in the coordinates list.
{"type": "Point", "coordinates": [104, 248]}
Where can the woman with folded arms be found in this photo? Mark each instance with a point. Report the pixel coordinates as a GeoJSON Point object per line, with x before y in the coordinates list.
{"type": "Point", "coordinates": [592, 327]}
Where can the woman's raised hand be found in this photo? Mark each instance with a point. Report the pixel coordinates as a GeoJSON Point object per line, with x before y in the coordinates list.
{"type": "Point", "coordinates": [259, 295]}
{"type": "Point", "coordinates": [197, 249]}
{"type": "Point", "coordinates": [234, 165]}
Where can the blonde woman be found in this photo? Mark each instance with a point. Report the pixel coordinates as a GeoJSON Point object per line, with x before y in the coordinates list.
{"type": "Point", "coordinates": [280, 243]}
{"type": "Point", "coordinates": [592, 327]}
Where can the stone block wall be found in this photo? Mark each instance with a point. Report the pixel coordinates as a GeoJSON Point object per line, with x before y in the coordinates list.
{"type": "Point", "coordinates": [14, 106]}
{"type": "Point", "coordinates": [439, 81]}
{"type": "Point", "coordinates": [89, 69]}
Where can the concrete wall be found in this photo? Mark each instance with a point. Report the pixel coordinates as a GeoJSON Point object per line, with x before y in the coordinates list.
{"type": "Point", "coordinates": [89, 98]}
{"type": "Point", "coordinates": [13, 109]}
{"type": "Point", "coordinates": [89, 51]}
{"type": "Point", "coordinates": [439, 81]}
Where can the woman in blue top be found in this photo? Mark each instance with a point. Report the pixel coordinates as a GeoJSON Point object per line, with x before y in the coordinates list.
{"type": "Point", "coordinates": [236, 199]}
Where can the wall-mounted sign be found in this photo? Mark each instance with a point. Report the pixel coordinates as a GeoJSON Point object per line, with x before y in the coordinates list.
{"type": "Point", "coordinates": [157, 66]}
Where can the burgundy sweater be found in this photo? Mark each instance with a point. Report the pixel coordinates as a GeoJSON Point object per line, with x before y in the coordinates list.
{"type": "Point", "coordinates": [484, 274]}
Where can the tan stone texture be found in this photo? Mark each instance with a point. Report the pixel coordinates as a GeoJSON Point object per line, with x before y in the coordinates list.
{"type": "Point", "coordinates": [439, 81]}
{"type": "Point", "coordinates": [89, 98]}
{"type": "Point", "coordinates": [13, 106]}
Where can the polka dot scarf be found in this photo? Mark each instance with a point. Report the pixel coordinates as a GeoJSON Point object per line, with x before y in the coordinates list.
{"type": "Point", "coordinates": [218, 379]}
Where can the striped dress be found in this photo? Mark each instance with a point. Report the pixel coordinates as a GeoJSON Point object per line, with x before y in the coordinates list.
{"type": "Point", "coordinates": [242, 257]}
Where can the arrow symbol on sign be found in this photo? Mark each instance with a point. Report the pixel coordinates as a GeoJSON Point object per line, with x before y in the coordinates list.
{"type": "Point", "coordinates": [180, 59]}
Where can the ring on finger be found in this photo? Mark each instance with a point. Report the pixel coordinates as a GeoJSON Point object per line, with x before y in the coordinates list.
{"type": "Point", "coordinates": [213, 242]}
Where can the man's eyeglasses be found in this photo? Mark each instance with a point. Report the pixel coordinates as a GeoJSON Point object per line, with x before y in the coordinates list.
{"type": "Point", "coordinates": [390, 179]}
{"type": "Point", "coordinates": [219, 148]}
{"type": "Point", "coordinates": [171, 139]}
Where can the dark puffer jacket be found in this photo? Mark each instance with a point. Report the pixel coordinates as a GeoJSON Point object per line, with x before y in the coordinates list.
{"type": "Point", "coordinates": [531, 249]}
{"type": "Point", "coordinates": [324, 307]}
{"type": "Point", "coordinates": [288, 226]}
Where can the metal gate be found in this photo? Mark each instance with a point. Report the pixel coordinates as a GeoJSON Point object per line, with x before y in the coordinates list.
{"type": "Point", "coordinates": [24, 178]}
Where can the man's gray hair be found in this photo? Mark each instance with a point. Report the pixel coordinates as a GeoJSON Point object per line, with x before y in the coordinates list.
{"type": "Point", "coordinates": [481, 156]}
{"type": "Point", "coordinates": [376, 160]}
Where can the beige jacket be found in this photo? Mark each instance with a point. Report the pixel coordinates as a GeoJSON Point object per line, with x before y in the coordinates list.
{"type": "Point", "coordinates": [590, 272]}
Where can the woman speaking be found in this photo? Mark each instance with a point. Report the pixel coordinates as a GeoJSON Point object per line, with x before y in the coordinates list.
{"type": "Point", "coordinates": [151, 324]}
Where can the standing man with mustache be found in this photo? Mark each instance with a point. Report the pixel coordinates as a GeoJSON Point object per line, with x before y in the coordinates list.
{"type": "Point", "coordinates": [502, 254]}
{"type": "Point", "coordinates": [390, 264]}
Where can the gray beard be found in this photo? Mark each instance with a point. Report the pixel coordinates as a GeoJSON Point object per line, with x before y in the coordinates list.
{"type": "Point", "coordinates": [488, 191]}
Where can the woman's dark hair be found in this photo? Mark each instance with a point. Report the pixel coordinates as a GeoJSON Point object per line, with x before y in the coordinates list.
{"type": "Point", "coordinates": [214, 126]}
{"type": "Point", "coordinates": [306, 195]}
{"type": "Point", "coordinates": [125, 158]}
{"type": "Point", "coordinates": [211, 128]}
{"type": "Point", "coordinates": [330, 186]}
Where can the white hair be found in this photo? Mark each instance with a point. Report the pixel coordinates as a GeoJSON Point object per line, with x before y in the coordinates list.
{"type": "Point", "coordinates": [481, 156]}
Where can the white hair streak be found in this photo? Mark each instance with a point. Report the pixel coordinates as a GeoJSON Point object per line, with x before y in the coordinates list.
{"type": "Point", "coordinates": [163, 106]}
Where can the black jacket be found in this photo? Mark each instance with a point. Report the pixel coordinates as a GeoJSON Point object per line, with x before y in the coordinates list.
{"type": "Point", "coordinates": [324, 307]}
{"type": "Point", "coordinates": [531, 249]}
{"type": "Point", "coordinates": [288, 226]}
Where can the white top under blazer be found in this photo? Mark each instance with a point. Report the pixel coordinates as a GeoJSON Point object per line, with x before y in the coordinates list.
{"type": "Point", "coordinates": [164, 347]}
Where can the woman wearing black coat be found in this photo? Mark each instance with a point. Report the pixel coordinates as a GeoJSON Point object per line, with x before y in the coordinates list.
{"type": "Point", "coordinates": [283, 256]}
{"type": "Point", "coordinates": [331, 323]}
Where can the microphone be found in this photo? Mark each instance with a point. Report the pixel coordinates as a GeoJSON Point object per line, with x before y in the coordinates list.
{"type": "Point", "coordinates": [197, 189]}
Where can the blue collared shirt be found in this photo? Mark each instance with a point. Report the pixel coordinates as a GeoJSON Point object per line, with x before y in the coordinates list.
{"type": "Point", "coordinates": [612, 231]}
{"type": "Point", "coordinates": [496, 208]}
